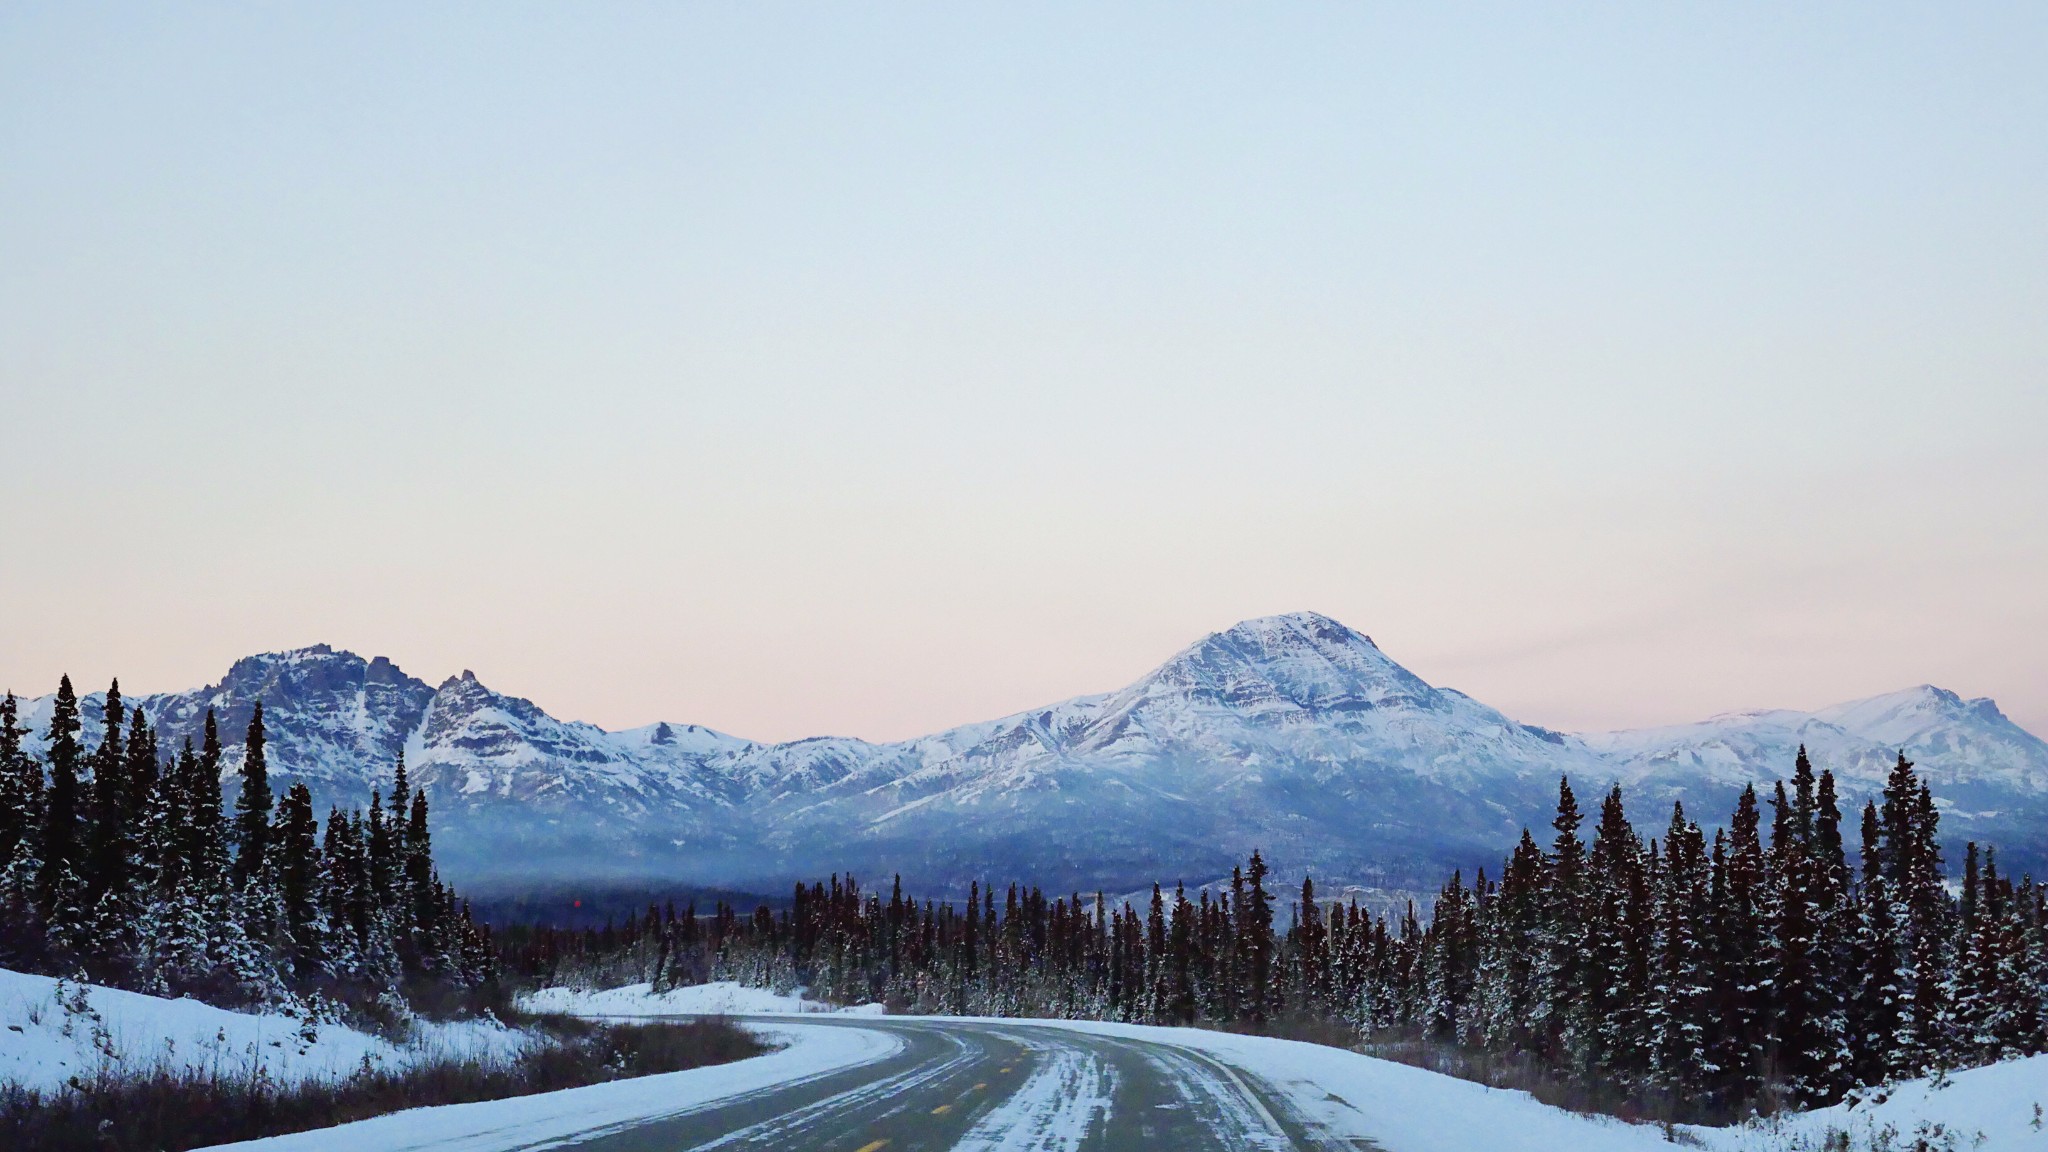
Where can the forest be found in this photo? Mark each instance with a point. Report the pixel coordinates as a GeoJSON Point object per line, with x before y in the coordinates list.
{"type": "Point", "coordinates": [121, 865]}
{"type": "Point", "coordinates": [1681, 977]}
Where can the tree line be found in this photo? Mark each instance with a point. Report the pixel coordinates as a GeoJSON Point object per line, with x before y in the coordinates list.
{"type": "Point", "coordinates": [1686, 976]}
{"type": "Point", "coordinates": [121, 864]}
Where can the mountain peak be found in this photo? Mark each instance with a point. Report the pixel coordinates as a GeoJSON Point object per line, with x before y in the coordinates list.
{"type": "Point", "coordinates": [1310, 626]}
{"type": "Point", "coordinates": [1301, 662]}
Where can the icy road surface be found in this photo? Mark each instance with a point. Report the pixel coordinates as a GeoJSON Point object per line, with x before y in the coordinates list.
{"type": "Point", "coordinates": [980, 1086]}
{"type": "Point", "coordinates": [898, 1084]}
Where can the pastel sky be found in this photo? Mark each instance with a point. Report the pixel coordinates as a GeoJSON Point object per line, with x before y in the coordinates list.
{"type": "Point", "coordinates": [868, 369]}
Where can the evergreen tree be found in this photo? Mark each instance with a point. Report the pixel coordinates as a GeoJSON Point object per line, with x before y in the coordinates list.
{"type": "Point", "coordinates": [107, 851]}
{"type": "Point", "coordinates": [1745, 984]}
{"type": "Point", "coordinates": [1181, 944]}
{"type": "Point", "coordinates": [419, 873]}
{"type": "Point", "coordinates": [205, 840]}
{"type": "Point", "coordinates": [109, 897]}
{"type": "Point", "coordinates": [1255, 943]}
{"type": "Point", "coordinates": [57, 883]}
{"type": "Point", "coordinates": [297, 860]}
{"type": "Point", "coordinates": [1567, 980]}
{"type": "Point", "coordinates": [252, 805]}
{"type": "Point", "coordinates": [142, 770]}
{"type": "Point", "coordinates": [1618, 946]}
{"type": "Point", "coordinates": [1681, 1011]}
{"type": "Point", "coordinates": [21, 822]}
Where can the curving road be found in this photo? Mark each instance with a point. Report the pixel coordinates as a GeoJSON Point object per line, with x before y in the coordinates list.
{"type": "Point", "coordinates": [977, 1086]}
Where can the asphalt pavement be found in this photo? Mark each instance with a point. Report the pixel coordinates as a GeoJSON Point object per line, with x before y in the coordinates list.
{"type": "Point", "coordinates": [983, 1086]}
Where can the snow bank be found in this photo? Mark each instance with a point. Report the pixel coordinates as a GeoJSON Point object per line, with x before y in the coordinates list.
{"type": "Point", "coordinates": [1393, 1106]}
{"type": "Point", "coordinates": [1404, 1109]}
{"type": "Point", "coordinates": [721, 998]}
{"type": "Point", "coordinates": [50, 1034]}
{"type": "Point", "coordinates": [2004, 1104]}
{"type": "Point", "coordinates": [808, 1051]}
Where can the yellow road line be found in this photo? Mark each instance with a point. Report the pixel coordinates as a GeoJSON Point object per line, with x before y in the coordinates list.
{"type": "Point", "coordinates": [942, 1109]}
{"type": "Point", "coordinates": [872, 1146]}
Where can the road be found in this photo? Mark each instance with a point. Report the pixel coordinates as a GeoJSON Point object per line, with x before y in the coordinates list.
{"type": "Point", "coordinates": [976, 1086]}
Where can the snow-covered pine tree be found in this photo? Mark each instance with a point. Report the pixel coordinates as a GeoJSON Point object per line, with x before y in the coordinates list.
{"type": "Point", "coordinates": [1743, 992]}
{"type": "Point", "coordinates": [252, 807]}
{"type": "Point", "coordinates": [1452, 960]}
{"type": "Point", "coordinates": [112, 854]}
{"type": "Point", "coordinates": [1255, 942]}
{"type": "Point", "coordinates": [58, 889]}
{"type": "Point", "coordinates": [1800, 1007]}
{"type": "Point", "coordinates": [302, 927]}
{"type": "Point", "coordinates": [1829, 1073]}
{"type": "Point", "coordinates": [1616, 959]}
{"type": "Point", "coordinates": [1566, 978]}
{"type": "Point", "coordinates": [21, 819]}
{"type": "Point", "coordinates": [1681, 1011]}
{"type": "Point", "coordinates": [1181, 941]}
{"type": "Point", "coordinates": [1156, 993]}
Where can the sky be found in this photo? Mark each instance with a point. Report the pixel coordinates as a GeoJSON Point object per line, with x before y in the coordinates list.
{"type": "Point", "coordinates": [866, 370]}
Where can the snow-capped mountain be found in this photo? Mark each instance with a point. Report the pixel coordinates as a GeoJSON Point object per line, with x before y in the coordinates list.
{"type": "Point", "coordinates": [1989, 775]}
{"type": "Point", "coordinates": [1291, 733]}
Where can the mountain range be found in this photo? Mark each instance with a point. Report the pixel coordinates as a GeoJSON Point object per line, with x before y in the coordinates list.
{"type": "Point", "coordinates": [1290, 733]}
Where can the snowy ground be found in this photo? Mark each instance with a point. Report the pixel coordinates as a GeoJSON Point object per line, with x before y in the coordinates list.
{"type": "Point", "coordinates": [50, 1034]}
{"type": "Point", "coordinates": [2004, 1104]}
{"type": "Point", "coordinates": [722, 998]}
{"type": "Point", "coordinates": [805, 1052]}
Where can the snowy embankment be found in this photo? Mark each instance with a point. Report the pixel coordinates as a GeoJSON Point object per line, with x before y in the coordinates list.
{"type": "Point", "coordinates": [2006, 1105]}
{"type": "Point", "coordinates": [722, 998]}
{"type": "Point", "coordinates": [805, 1052]}
{"type": "Point", "coordinates": [52, 1032]}
{"type": "Point", "coordinates": [1405, 1109]}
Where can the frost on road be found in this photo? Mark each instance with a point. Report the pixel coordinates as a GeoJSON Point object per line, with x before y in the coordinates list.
{"type": "Point", "coordinates": [1057, 1108]}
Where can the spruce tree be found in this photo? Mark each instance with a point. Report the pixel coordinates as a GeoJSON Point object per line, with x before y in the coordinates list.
{"type": "Point", "coordinates": [1618, 945]}
{"type": "Point", "coordinates": [206, 846]}
{"type": "Point", "coordinates": [109, 797]}
{"type": "Point", "coordinates": [56, 884]}
{"type": "Point", "coordinates": [1745, 992]}
{"type": "Point", "coordinates": [1182, 959]}
{"type": "Point", "coordinates": [1255, 942]}
{"type": "Point", "coordinates": [297, 851]}
{"type": "Point", "coordinates": [1681, 1001]}
{"type": "Point", "coordinates": [21, 821]}
{"type": "Point", "coordinates": [252, 806]}
{"type": "Point", "coordinates": [110, 896]}
{"type": "Point", "coordinates": [420, 884]}
{"type": "Point", "coordinates": [1829, 1072]}
{"type": "Point", "coordinates": [21, 789]}
{"type": "Point", "coordinates": [1157, 992]}
{"type": "Point", "coordinates": [1568, 975]}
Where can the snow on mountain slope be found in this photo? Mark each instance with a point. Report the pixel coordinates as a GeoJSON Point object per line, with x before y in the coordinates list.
{"type": "Point", "coordinates": [1990, 776]}
{"type": "Point", "coordinates": [1293, 733]}
{"type": "Point", "coordinates": [1953, 741]}
{"type": "Point", "coordinates": [475, 742]}
{"type": "Point", "coordinates": [1962, 740]}
{"type": "Point", "coordinates": [333, 719]}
